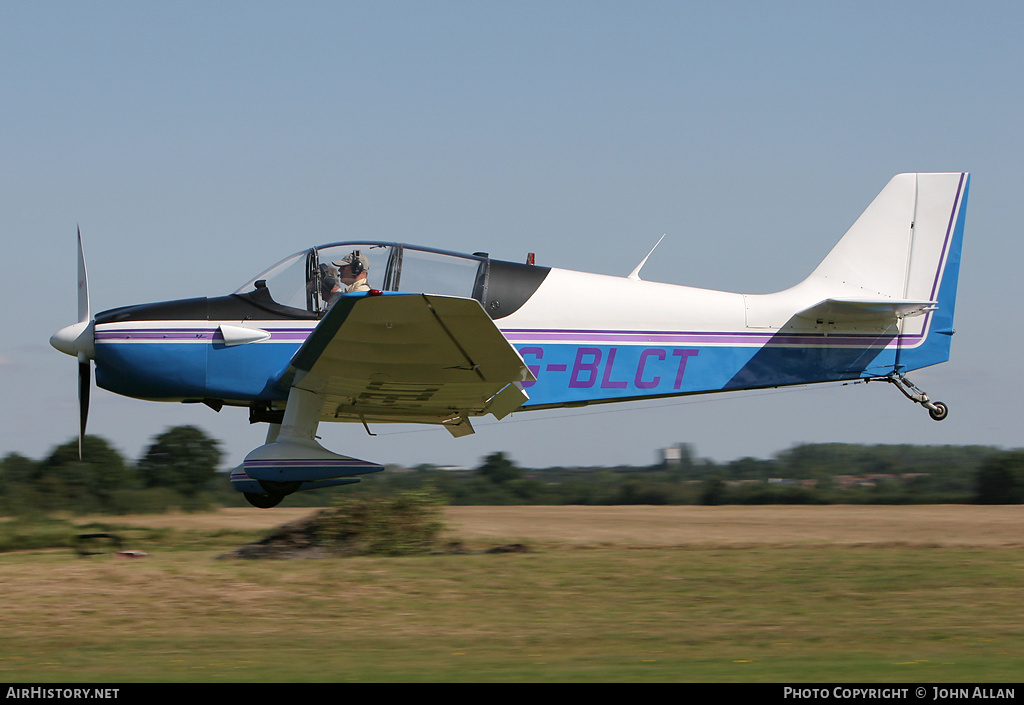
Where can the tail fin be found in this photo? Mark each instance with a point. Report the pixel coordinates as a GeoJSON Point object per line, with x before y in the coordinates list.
{"type": "Point", "coordinates": [899, 246]}
{"type": "Point", "coordinates": [904, 250]}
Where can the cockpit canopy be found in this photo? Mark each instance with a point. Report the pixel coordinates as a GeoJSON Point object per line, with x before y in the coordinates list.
{"type": "Point", "coordinates": [307, 283]}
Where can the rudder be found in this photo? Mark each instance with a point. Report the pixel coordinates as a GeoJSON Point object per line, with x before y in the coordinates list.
{"type": "Point", "coordinates": [942, 213]}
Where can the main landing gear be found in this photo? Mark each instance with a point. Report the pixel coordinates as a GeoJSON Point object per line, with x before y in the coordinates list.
{"type": "Point", "coordinates": [263, 501]}
{"type": "Point", "coordinates": [275, 492]}
{"type": "Point", "coordinates": [936, 409]}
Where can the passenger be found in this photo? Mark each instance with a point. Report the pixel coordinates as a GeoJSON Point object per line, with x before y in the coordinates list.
{"type": "Point", "coordinates": [329, 288]}
{"type": "Point", "coordinates": [353, 269]}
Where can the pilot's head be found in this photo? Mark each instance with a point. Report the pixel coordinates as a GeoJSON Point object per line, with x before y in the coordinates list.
{"type": "Point", "coordinates": [352, 266]}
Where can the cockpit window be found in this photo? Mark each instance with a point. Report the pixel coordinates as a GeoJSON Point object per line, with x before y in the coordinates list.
{"type": "Point", "coordinates": [438, 273]}
{"type": "Point", "coordinates": [306, 284]}
{"type": "Point", "coordinates": [283, 284]}
{"type": "Point", "coordinates": [351, 267]}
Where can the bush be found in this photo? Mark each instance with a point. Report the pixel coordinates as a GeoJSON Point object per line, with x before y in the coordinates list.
{"type": "Point", "coordinates": [406, 523]}
{"type": "Point", "coordinates": [28, 533]}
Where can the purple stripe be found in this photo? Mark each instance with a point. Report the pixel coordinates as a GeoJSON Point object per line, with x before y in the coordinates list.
{"type": "Point", "coordinates": [200, 334]}
{"type": "Point", "coordinates": [297, 462]}
{"type": "Point", "coordinates": [536, 336]}
{"type": "Point", "coordinates": [949, 229]}
{"type": "Point", "coordinates": [150, 334]}
{"type": "Point", "coordinates": [584, 331]}
{"type": "Point", "coordinates": [639, 337]}
{"type": "Point", "coordinates": [524, 336]}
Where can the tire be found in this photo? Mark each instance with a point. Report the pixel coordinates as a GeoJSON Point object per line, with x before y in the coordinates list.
{"type": "Point", "coordinates": [275, 487]}
{"type": "Point", "coordinates": [940, 411]}
{"type": "Point", "coordinates": [263, 501]}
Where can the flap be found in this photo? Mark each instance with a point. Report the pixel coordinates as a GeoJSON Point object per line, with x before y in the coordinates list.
{"type": "Point", "coordinates": [406, 357]}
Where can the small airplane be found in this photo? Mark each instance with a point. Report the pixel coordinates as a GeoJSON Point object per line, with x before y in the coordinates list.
{"type": "Point", "coordinates": [385, 332]}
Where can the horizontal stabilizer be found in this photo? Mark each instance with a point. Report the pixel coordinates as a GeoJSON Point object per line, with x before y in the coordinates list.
{"type": "Point", "coordinates": [859, 310]}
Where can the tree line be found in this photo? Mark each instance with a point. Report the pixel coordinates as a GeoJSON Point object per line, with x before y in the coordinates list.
{"type": "Point", "coordinates": [834, 473]}
{"type": "Point", "coordinates": [180, 470]}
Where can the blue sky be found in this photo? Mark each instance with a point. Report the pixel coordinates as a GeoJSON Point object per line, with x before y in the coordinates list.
{"type": "Point", "coordinates": [198, 143]}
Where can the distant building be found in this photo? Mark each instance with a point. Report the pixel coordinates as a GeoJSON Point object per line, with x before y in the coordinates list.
{"type": "Point", "coordinates": [671, 456]}
{"type": "Point", "coordinates": [677, 456]}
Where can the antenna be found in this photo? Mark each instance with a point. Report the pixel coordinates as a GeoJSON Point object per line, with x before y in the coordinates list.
{"type": "Point", "coordinates": [635, 274]}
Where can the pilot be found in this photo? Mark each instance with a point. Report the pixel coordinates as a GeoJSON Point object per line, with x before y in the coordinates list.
{"type": "Point", "coordinates": [353, 269]}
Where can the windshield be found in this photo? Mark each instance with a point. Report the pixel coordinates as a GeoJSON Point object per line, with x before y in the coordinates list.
{"type": "Point", "coordinates": [285, 282]}
{"type": "Point", "coordinates": [307, 283]}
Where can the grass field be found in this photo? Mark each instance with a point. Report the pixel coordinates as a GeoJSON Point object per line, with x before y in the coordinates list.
{"type": "Point", "coordinates": [785, 594]}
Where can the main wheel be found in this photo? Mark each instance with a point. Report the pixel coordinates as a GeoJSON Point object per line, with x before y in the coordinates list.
{"type": "Point", "coordinates": [263, 501]}
{"type": "Point", "coordinates": [273, 487]}
{"type": "Point", "coordinates": [940, 411]}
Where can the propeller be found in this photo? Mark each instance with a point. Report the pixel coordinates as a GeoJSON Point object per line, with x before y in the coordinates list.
{"type": "Point", "coordinates": [78, 340]}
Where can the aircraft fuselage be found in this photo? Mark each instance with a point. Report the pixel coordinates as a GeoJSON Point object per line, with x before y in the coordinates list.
{"type": "Point", "coordinates": [385, 332]}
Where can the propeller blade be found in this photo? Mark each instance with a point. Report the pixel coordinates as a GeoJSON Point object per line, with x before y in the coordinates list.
{"type": "Point", "coordinates": [84, 352]}
{"type": "Point", "coordinates": [84, 311]}
{"type": "Point", "coordinates": [84, 386]}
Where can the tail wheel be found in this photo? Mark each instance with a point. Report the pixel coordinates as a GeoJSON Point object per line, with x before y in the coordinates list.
{"type": "Point", "coordinates": [936, 409]}
{"type": "Point", "coordinates": [939, 411]}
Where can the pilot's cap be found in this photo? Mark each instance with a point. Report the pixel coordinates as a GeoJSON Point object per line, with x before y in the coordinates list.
{"type": "Point", "coordinates": [352, 257]}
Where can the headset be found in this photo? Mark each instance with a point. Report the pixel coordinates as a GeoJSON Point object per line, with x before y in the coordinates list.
{"type": "Point", "coordinates": [356, 264]}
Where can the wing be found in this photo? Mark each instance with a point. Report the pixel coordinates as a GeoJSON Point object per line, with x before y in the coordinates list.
{"type": "Point", "coordinates": [409, 358]}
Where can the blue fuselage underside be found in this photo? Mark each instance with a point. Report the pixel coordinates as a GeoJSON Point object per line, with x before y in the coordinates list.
{"type": "Point", "coordinates": [567, 373]}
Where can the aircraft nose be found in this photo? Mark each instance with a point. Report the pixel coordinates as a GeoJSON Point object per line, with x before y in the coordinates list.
{"type": "Point", "coordinates": [75, 340]}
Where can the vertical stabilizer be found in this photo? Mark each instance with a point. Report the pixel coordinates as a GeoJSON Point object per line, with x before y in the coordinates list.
{"type": "Point", "coordinates": [899, 245]}
{"type": "Point", "coordinates": [906, 245]}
